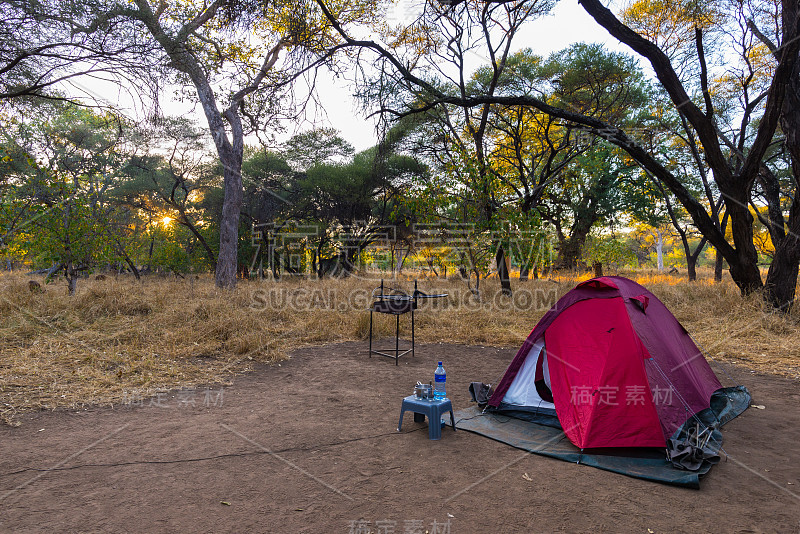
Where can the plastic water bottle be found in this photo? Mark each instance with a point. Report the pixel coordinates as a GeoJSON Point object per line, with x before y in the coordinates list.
{"type": "Point", "coordinates": [440, 377]}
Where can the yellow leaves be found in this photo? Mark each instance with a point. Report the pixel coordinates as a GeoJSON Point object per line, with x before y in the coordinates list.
{"type": "Point", "coordinates": [738, 63]}
{"type": "Point", "coordinates": [417, 39]}
{"type": "Point", "coordinates": [294, 24]}
{"type": "Point", "coordinates": [665, 14]}
{"type": "Point", "coordinates": [522, 132]}
{"type": "Point", "coordinates": [762, 61]}
{"type": "Point", "coordinates": [670, 23]}
{"type": "Point", "coordinates": [761, 236]}
{"type": "Point", "coordinates": [365, 13]}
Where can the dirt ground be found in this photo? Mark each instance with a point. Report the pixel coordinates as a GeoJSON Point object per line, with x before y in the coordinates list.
{"type": "Point", "coordinates": [311, 446]}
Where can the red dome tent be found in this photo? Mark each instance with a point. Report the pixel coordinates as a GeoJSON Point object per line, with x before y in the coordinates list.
{"type": "Point", "coordinates": [613, 365]}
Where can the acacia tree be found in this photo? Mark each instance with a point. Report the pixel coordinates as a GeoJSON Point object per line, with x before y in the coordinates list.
{"type": "Point", "coordinates": [593, 190]}
{"type": "Point", "coordinates": [16, 167]}
{"type": "Point", "coordinates": [353, 203]}
{"type": "Point", "coordinates": [734, 176]}
{"type": "Point", "coordinates": [317, 190]}
{"type": "Point", "coordinates": [735, 153]}
{"type": "Point", "coordinates": [546, 165]}
{"type": "Point", "coordinates": [315, 147]}
{"type": "Point", "coordinates": [67, 159]}
{"type": "Point", "coordinates": [167, 172]}
{"type": "Point", "coordinates": [463, 132]}
{"type": "Point", "coordinates": [530, 149]}
{"type": "Point", "coordinates": [236, 75]}
{"type": "Point", "coordinates": [670, 136]}
{"type": "Point", "coordinates": [524, 153]}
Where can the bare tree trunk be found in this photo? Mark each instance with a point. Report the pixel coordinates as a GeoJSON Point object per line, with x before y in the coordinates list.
{"type": "Point", "coordinates": [524, 272]}
{"type": "Point", "coordinates": [502, 271]}
{"type": "Point", "coordinates": [691, 267]}
{"type": "Point", "coordinates": [691, 257]}
{"type": "Point", "coordinates": [225, 273]}
{"type": "Point", "coordinates": [71, 275]}
{"type": "Point", "coordinates": [132, 265]}
{"type": "Point", "coordinates": [401, 259]}
{"type": "Point", "coordinates": [570, 252]}
{"type": "Point", "coordinates": [274, 261]}
{"type": "Point", "coordinates": [782, 277]}
{"type": "Point", "coordinates": [229, 149]}
{"type": "Point", "coordinates": [150, 253]}
{"type": "Point", "coordinates": [781, 282]}
{"type": "Point", "coordinates": [744, 271]}
{"type": "Point", "coordinates": [660, 250]}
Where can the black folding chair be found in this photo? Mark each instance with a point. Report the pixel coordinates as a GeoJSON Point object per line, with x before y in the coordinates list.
{"type": "Point", "coordinates": [393, 302]}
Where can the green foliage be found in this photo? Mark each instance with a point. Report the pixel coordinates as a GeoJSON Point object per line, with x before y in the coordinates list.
{"type": "Point", "coordinates": [59, 167]}
{"type": "Point", "coordinates": [169, 174]}
{"type": "Point", "coordinates": [317, 147]}
{"type": "Point", "coordinates": [593, 81]}
{"type": "Point", "coordinates": [610, 250]}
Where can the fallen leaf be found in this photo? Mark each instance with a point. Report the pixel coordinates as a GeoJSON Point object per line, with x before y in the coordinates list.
{"type": "Point", "coordinates": [759, 406]}
{"type": "Point", "coordinates": [451, 515]}
{"type": "Point", "coordinates": [527, 477]}
{"type": "Point", "coordinates": [226, 503]}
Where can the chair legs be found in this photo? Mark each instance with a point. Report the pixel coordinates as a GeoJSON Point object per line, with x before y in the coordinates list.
{"type": "Point", "coordinates": [396, 339]}
{"type": "Point", "coordinates": [395, 352]}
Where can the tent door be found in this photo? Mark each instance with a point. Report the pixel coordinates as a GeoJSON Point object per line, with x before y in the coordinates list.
{"type": "Point", "coordinates": [523, 391]}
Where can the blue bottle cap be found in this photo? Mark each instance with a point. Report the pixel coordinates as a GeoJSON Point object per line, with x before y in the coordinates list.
{"type": "Point", "coordinates": [440, 363]}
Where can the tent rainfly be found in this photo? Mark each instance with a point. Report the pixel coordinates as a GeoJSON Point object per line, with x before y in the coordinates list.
{"type": "Point", "coordinates": [612, 367]}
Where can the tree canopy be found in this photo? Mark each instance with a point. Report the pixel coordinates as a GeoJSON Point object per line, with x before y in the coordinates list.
{"type": "Point", "coordinates": [477, 131]}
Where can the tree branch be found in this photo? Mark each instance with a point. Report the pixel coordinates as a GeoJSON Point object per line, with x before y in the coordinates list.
{"type": "Point", "coordinates": [701, 56]}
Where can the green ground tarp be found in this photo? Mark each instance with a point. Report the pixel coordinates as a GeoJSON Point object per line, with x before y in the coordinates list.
{"type": "Point", "coordinates": [552, 442]}
{"type": "Point", "coordinates": [649, 464]}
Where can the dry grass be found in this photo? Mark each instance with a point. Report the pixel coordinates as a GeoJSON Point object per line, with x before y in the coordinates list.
{"type": "Point", "coordinates": [118, 335]}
